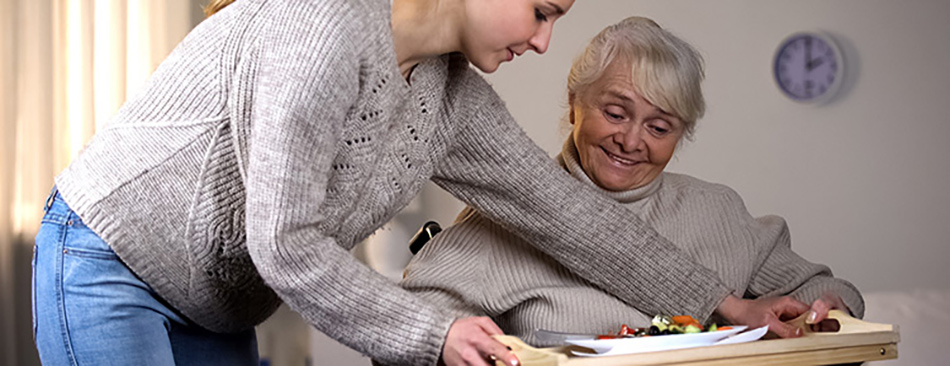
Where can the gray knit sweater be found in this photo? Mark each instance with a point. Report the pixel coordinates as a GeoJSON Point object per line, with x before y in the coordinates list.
{"type": "Point", "coordinates": [280, 133]}
{"type": "Point", "coordinates": [478, 268]}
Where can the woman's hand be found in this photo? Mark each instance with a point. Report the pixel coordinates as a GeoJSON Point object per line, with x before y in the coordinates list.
{"type": "Point", "coordinates": [819, 312]}
{"type": "Point", "coordinates": [773, 311]}
{"type": "Point", "coordinates": [470, 342]}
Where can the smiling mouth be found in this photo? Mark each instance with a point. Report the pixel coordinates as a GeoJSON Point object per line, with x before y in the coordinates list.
{"type": "Point", "coordinates": [618, 159]}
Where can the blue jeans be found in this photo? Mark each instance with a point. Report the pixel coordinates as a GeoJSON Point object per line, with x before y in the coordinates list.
{"type": "Point", "coordinates": [90, 309]}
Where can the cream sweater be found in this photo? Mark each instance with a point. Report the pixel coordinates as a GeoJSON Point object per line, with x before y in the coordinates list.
{"type": "Point", "coordinates": [280, 133]}
{"type": "Point", "coordinates": [476, 267]}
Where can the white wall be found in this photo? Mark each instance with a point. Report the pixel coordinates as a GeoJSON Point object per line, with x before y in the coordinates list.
{"type": "Point", "coordinates": [862, 181]}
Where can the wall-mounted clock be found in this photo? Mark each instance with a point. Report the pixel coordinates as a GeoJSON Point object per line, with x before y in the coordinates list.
{"type": "Point", "coordinates": [808, 67]}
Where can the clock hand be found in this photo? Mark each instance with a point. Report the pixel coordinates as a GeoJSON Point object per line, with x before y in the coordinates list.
{"type": "Point", "coordinates": [808, 60]}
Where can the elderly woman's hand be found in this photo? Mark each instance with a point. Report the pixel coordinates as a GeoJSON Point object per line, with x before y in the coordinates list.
{"type": "Point", "coordinates": [470, 342]}
{"type": "Point", "coordinates": [772, 311]}
{"type": "Point", "coordinates": [818, 313]}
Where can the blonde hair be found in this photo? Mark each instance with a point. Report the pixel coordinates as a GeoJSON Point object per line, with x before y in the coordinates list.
{"type": "Point", "coordinates": [216, 5]}
{"type": "Point", "coordinates": [667, 71]}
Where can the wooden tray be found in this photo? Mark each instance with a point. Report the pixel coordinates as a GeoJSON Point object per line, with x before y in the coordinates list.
{"type": "Point", "coordinates": [856, 341]}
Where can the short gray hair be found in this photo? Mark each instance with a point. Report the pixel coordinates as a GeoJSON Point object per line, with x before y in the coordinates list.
{"type": "Point", "coordinates": [667, 71]}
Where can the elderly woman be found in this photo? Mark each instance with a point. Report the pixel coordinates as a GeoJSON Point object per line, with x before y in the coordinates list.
{"type": "Point", "coordinates": [634, 95]}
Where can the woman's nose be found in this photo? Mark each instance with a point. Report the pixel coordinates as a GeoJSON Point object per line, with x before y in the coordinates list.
{"type": "Point", "coordinates": [542, 38]}
{"type": "Point", "coordinates": [630, 138]}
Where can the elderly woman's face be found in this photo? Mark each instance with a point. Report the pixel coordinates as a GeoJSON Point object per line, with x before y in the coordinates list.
{"type": "Point", "coordinates": [624, 142]}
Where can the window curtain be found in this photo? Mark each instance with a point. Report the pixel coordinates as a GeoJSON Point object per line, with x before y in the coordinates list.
{"type": "Point", "coordinates": [65, 68]}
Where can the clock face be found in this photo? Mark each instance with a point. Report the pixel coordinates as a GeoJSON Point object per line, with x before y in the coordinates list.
{"type": "Point", "coordinates": [807, 67]}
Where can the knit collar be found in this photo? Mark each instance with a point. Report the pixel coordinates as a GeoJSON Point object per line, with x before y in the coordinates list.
{"type": "Point", "coordinates": [570, 160]}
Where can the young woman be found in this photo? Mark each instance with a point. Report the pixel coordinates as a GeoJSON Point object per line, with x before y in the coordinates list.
{"type": "Point", "coordinates": [279, 134]}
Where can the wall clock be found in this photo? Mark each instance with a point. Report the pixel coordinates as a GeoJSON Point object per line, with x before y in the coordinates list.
{"type": "Point", "coordinates": [808, 67]}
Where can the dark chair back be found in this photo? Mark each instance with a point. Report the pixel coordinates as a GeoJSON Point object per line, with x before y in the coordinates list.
{"type": "Point", "coordinates": [422, 237]}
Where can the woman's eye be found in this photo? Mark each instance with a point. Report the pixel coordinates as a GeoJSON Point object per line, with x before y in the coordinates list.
{"type": "Point", "coordinates": [614, 112]}
{"type": "Point", "coordinates": [540, 16]}
{"type": "Point", "coordinates": [660, 128]}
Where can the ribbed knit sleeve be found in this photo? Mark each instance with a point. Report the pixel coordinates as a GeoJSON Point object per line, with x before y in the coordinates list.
{"type": "Point", "coordinates": [309, 80]}
{"type": "Point", "coordinates": [450, 271]}
{"type": "Point", "coordinates": [496, 168]}
{"type": "Point", "coordinates": [784, 272]}
{"type": "Point", "coordinates": [776, 269]}
{"type": "Point", "coordinates": [817, 286]}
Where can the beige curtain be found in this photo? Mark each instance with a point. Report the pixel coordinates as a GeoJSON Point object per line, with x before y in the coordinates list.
{"type": "Point", "coordinates": [65, 68]}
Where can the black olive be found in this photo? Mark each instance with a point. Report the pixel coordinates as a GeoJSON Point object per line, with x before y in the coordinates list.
{"type": "Point", "coordinates": [653, 330]}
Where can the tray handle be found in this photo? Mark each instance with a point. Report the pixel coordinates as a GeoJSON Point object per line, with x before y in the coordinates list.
{"type": "Point", "coordinates": [530, 356]}
{"type": "Point", "coordinates": [847, 323]}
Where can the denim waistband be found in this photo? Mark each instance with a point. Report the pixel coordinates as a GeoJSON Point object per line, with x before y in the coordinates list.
{"type": "Point", "coordinates": [58, 212]}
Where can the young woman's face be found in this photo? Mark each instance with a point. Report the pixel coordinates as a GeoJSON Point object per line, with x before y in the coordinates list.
{"type": "Point", "coordinates": [622, 140]}
{"type": "Point", "coordinates": [496, 31]}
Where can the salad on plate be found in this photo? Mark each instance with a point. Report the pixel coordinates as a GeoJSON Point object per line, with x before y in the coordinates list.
{"type": "Point", "coordinates": [664, 333]}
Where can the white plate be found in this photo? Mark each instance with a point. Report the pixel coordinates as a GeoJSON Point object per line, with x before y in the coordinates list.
{"type": "Point", "coordinates": [752, 335]}
{"type": "Point", "coordinates": [622, 346]}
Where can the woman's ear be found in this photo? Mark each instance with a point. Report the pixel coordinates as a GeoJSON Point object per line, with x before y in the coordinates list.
{"type": "Point", "coordinates": [570, 112]}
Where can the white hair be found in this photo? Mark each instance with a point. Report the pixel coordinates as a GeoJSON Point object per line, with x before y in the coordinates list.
{"type": "Point", "coordinates": [667, 71]}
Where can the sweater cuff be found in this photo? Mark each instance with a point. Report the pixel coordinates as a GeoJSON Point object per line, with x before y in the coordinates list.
{"type": "Point", "coordinates": [437, 338]}
{"type": "Point", "coordinates": [818, 286]}
{"type": "Point", "coordinates": [711, 303]}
